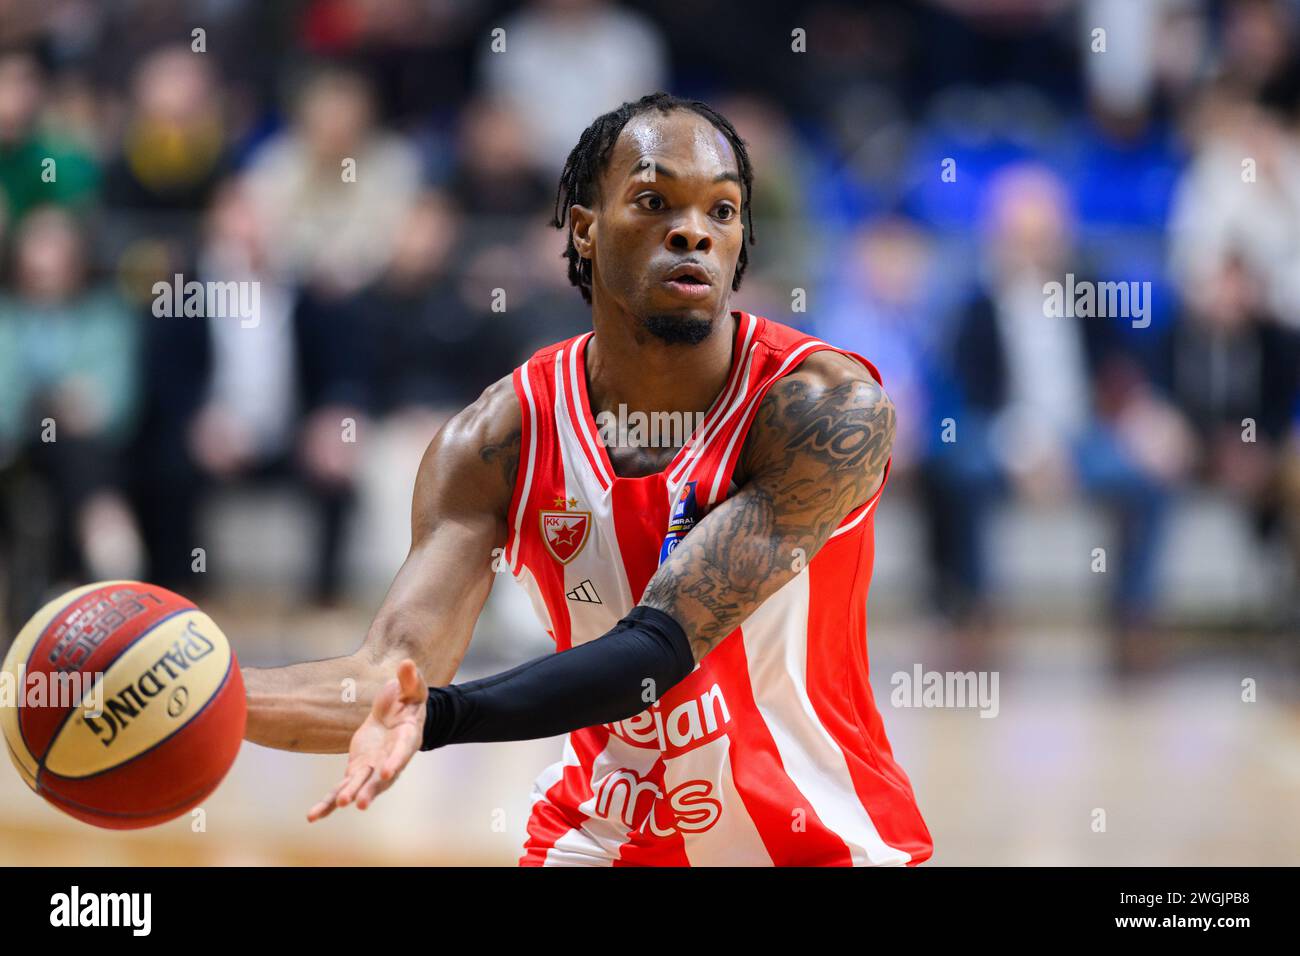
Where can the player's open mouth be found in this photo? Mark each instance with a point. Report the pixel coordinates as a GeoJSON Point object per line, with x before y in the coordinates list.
{"type": "Point", "coordinates": [689, 281]}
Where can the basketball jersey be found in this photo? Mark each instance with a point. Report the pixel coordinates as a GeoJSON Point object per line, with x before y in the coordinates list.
{"type": "Point", "coordinates": [772, 750]}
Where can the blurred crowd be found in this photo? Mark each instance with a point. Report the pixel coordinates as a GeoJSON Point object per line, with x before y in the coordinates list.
{"type": "Point", "coordinates": [385, 170]}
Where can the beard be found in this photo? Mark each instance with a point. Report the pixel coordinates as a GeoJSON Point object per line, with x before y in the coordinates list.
{"type": "Point", "coordinates": [678, 329]}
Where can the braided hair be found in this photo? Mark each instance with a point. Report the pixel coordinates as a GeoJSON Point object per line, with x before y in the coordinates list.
{"type": "Point", "coordinates": [579, 182]}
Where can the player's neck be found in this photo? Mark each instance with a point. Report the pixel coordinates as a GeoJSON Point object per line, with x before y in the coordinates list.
{"type": "Point", "coordinates": [628, 366]}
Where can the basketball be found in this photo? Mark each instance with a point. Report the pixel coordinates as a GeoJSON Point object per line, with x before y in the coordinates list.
{"type": "Point", "coordinates": [122, 704]}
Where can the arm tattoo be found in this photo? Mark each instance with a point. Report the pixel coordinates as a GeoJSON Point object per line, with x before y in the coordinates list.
{"type": "Point", "coordinates": [505, 455]}
{"type": "Point", "coordinates": [815, 452]}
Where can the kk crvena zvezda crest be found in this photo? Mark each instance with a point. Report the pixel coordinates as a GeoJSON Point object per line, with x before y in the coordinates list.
{"type": "Point", "coordinates": [564, 532]}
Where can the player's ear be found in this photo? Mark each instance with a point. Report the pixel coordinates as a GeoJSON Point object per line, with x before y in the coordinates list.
{"type": "Point", "coordinates": [583, 221]}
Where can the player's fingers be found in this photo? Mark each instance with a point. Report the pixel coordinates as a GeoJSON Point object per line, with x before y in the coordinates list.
{"type": "Point", "coordinates": [404, 744]}
{"type": "Point", "coordinates": [354, 782]}
{"type": "Point", "coordinates": [326, 806]}
{"type": "Point", "coordinates": [373, 788]}
{"type": "Point", "coordinates": [408, 678]}
{"type": "Point", "coordinates": [320, 810]}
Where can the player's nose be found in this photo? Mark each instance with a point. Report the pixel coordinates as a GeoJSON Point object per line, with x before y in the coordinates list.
{"type": "Point", "coordinates": [689, 234]}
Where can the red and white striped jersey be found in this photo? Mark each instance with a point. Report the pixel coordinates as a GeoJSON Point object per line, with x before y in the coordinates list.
{"type": "Point", "coordinates": [772, 750]}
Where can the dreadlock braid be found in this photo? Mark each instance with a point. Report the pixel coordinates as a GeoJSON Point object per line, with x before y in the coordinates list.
{"type": "Point", "coordinates": [579, 182]}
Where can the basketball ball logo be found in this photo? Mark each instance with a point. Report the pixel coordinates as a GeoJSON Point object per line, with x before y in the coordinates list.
{"type": "Point", "coordinates": [161, 722]}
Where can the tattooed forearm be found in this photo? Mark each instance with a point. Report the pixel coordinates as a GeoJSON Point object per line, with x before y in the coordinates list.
{"type": "Point", "coordinates": [817, 450]}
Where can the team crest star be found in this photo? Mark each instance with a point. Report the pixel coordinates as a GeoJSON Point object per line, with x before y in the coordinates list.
{"type": "Point", "coordinates": [559, 502]}
{"type": "Point", "coordinates": [564, 535]}
{"type": "Point", "coordinates": [573, 502]}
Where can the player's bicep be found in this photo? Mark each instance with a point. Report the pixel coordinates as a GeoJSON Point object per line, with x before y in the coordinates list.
{"type": "Point", "coordinates": [458, 530]}
{"type": "Point", "coordinates": [820, 448]}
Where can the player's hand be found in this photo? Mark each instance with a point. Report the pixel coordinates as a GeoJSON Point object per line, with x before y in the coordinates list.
{"type": "Point", "coordinates": [383, 744]}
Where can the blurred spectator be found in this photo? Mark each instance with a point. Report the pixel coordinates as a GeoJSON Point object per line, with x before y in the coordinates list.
{"type": "Point", "coordinates": [334, 187]}
{"type": "Point", "coordinates": [68, 378]}
{"type": "Point", "coordinates": [232, 401]}
{"type": "Point", "coordinates": [36, 165]}
{"type": "Point", "coordinates": [781, 187]}
{"type": "Point", "coordinates": [1234, 372]}
{"type": "Point", "coordinates": [498, 171]}
{"type": "Point", "coordinates": [545, 308]}
{"type": "Point", "coordinates": [1241, 194]}
{"type": "Point", "coordinates": [418, 54]}
{"type": "Point", "coordinates": [1259, 55]}
{"type": "Point", "coordinates": [622, 56]}
{"type": "Point", "coordinates": [883, 305]}
{"type": "Point", "coordinates": [173, 147]}
{"type": "Point", "coordinates": [1048, 404]}
{"type": "Point", "coordinates": [431, 351]}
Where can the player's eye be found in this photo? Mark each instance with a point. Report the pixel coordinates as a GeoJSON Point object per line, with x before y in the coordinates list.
{"type": "Point", "coordinates": [725, 211]}
{"type": "Point", "coordinates": [651, 202]}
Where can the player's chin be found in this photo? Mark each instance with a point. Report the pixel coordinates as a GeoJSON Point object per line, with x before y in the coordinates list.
{"type": "Point", "coordinates": [680, 326]}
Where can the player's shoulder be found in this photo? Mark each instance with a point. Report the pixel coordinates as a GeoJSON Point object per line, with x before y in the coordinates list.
{"type": "Point", "coordinates": [822, 386]}
{"type": "Point", "coordinates": [828, 369]}
{"type": "Point", "coordinates": [489, 430]}
{"type": "Point", "coordinates": [802, 363]}
{"type": "Point", "coordinates": [816, 393]}
{"type": "Point", "coordinates": [475, 454]}
{"type": "Point", "coordinates": [544, 358]}
{"type": "Point", "coordinates": [488, 426]}
{"type": "Point", "coordinates": [495, 412]}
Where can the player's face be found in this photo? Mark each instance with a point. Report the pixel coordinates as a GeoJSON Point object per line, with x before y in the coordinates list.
{"type": "Point", "coordinates": [666, 235]}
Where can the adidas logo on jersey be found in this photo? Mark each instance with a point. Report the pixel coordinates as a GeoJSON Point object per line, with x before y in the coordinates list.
{"type": "Point", "coordinates": [584, 593]}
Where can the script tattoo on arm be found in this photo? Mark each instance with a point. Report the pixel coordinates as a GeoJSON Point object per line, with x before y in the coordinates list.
{"type": "Point", "coordinates": [817, 449]}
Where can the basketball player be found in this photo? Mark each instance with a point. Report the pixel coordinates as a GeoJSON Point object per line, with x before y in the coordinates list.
{"type": "Point", "coordinates": [707, 601]}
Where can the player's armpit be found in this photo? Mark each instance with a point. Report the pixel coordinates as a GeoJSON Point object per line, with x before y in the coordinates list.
{"type": "Point", "coordinates": [816, 451]}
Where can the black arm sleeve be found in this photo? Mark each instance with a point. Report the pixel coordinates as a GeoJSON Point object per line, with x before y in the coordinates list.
{"type": "Point", "coordinates": [595, 683]}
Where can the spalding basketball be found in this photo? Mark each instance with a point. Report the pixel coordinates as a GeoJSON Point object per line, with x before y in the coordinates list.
{"type": "Point", "coordinates": [124, 704]}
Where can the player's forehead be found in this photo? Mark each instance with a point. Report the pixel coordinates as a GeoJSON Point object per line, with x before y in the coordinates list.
{"type": "Point", "coordinates": [681, 141]}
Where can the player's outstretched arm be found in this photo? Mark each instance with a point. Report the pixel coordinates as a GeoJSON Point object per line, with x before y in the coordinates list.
{"type": "Point", "coordinates": [816, 451]}
{"type": "Point", "coordinates": [458, 516]}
